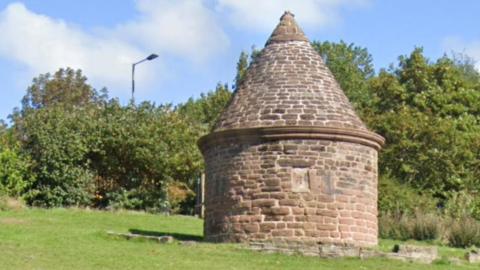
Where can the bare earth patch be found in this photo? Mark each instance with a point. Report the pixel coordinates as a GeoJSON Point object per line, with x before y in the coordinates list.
{"type": "Point", "coordinates": [12, 221]}
{"type": "Point", "coordinates": [7, 203]}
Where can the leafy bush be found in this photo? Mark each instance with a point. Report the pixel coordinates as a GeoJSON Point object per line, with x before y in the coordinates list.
{"type": "Point", "coordinates": [58, 141]}
{"type": "Point", "coordinates": [87, 150]}
{"type": "Point", "coordinates": [459, 232]}
{"type": "Point", "coordinates": [464, 232]}
{"type": "Point", "coordinates": [84, 155]}
{"type": "Point", "coordinates": [206, 109]}
{"type": "Point", "coordinates": [142, 149]}
{"type": "Point", "coordinates": [400, 199]}
{"type": "Point", "coordinates": [137, 199]}
{"type": "Point", "coordinates": [426, 227]}
{"type": "Point", "coordinates": [181, 198]}
{"type": "Point", "coordinates": [461, 204]}
{"type": "Point", "coordinates": [417, 227]}
{"type": "Point", "coordinates": [394, 227]}
{"type": "Point", "coordinates": [15, 175]}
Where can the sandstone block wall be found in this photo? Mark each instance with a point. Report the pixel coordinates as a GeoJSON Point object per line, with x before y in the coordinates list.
{"type": "Point", "coordinates": [291, 191]}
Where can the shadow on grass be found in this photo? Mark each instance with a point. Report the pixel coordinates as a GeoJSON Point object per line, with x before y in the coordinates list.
{"type": "Point", "coordinates": [178, 236]}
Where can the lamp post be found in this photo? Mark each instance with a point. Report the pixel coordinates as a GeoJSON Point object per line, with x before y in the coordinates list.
{"type": "Point", "coordinates": [149, 58]}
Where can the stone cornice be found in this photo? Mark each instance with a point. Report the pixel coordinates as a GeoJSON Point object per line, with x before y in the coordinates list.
{"type": "Point", "coordinates": [293, 133]}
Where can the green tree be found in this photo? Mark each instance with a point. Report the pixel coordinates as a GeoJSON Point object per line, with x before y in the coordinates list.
{"type": "Point", "coordinates": [242, 66]}
{"type": "Point", "coordinates": [66, 86]}
{"type": "Point", "coordinates": [429, 114]}
{"type": "Point", "coordinates": [352, 67]}
{"type": "Point", "coordinates": [207, 109]}
{"type": "Point", "coordinates": [55, 128]}
{"type": "Point", "coordinates": [466, 65]}
{"type": "Point", "coordinates": [244, 61]}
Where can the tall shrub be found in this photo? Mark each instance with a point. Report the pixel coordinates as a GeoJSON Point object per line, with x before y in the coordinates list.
{"type": "Point", "coordinates": [141, 150]}
{"type": "Point", "coordinates": [58, 141]}
{"type": "Point", "coordinates": [464, 232]}
{"type": "Point", "coordinates": [15, 174]}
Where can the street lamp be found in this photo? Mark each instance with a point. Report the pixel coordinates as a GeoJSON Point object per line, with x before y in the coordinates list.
{"type": "Point", "coordinates": [149, 58]}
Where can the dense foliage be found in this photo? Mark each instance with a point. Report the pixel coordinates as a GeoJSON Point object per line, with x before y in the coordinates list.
{"type": "Point", "coordinates": [58, 142]}
{"type": "Point", "coordinates": [429, 114]}
{"type": "Point", "coordinates": [15, 174]}
{"type": "Point", "coordinates": [206, 109]}
{"type": "Point", "coordinates": [88, 150]}
{"type": "Point", "coordinates": [142, 150]}
{"type": "Point", "coordinates": [353, 67]}
{"type": "Point", "coordinates": [72, 145]}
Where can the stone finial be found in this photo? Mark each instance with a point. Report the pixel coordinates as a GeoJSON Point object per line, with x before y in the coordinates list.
{"type": "Point", "coordinates": [287, 30]}
{"type": "Point", "coordinates": [287, 13]}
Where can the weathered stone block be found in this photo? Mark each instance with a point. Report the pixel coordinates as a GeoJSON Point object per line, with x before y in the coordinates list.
{"type": "Point", "coordinates": [267, 226]}
{"type": "Point", "coordinates": [251, 228]}
{"type": "Point", "coordinates": [332, 251]}
{"type": "Point", "coordinates": [264, 202]}
{"type": "Point", "coordinates": [422, 254]}
{"type": "Point", "coordinates": [473, 256]}
{"type": "Point", "coordinates": [280, 211]}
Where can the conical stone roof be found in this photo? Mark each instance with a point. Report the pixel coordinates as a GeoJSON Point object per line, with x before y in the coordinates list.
{"type": "Point", "coordinates": [288, 89]}
{"type": "Point", "coordinates": [289, 85]}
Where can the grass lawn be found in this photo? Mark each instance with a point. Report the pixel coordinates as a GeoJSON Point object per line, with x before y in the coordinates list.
{"type": "Point", "coordinates": [77, 239]}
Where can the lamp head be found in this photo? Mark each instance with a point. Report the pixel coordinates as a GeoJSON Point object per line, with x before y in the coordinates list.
{"type": "Point", "coordinates": [152, 56]}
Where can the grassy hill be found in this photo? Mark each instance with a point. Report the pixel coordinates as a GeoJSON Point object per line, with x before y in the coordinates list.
{"type": "Point", "coordinates": [77, 239]}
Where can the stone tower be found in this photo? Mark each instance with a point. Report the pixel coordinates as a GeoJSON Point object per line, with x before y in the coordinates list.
{"type": "Point", "coordinates": [289, 163]}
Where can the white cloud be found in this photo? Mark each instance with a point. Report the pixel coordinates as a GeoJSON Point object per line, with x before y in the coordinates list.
{"type": "Point", "coordinates": [472, 48]}
{"type": "Point", "coordinates": [263, 15]}
{"type": "Point", "coordinates": [185, 28]}
{"type": "Point", "coordinates": [189, 29]}
{"type": "Point", "coordinates": [44, 44]}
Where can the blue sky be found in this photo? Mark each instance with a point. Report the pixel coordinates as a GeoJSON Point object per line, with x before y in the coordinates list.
{"type": "Point", "coordinates": [199, 41]}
